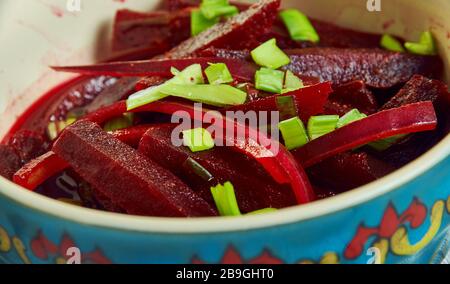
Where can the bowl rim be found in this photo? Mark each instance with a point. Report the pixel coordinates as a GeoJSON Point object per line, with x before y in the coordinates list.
{"type": "Point", "coordinates": [295, 214]}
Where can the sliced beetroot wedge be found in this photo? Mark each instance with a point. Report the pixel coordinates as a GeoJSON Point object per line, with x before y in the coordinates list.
{"type": "Point", "coordinates": [134, 30]}
{"type": "Point", "coordinates": [128, 178]}
{"type": "Point", "coordinates": [349, 96]}
{"type": "Point", "coordinates": [375, 67]}
{"type": "Point", "coordinates": [161, 67]}
{"type": "Point", "coordinates": [10, 161]}
{"type": "Point", "coordinates": [254, 190]}
{"type": "Point", "coordinates": [349, 170]}
{"type": "Point", "coordinates": [34, 173]}
{"type": "Point", "coordinates": [411, 118]}
{"type": "Point", "coordinates": [335, 36]}
{"type": "Point", "coordinates": [236, 33]}
{"type": "Point", "coordinates": [132, 135]}
{"type": "Point", "coordinates": [419, 89]}
{"type": "Point", "coordinates": [275, 159]}
{"type": "Point", "coordinates": [307, 102]}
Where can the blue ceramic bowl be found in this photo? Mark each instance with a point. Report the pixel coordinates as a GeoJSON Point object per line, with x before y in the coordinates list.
{"type": "Point", "coordinates": [402, 218]}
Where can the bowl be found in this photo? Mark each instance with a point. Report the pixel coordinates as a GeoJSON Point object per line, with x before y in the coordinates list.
{"type": "Point", "coordinates": [402, 218]}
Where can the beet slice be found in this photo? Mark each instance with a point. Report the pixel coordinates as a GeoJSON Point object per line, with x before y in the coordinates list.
{"type": "Point", "coordinates": [275, 159]}
{"type": "Point", "coordinates": [334, 36]}
{"type": "Point", "coordinates": [28, 144]}
{"type": "Point", "coordinates": [308, 101]}
{"type": "Point", "coordinates": [132, 135]}
{"type": "Point", "coordinates": [136, 30]}
{"type": "Point", "coordinates": [349, 96]}
{"type": "Point", "coordinates": [161, 67]}
{"type": "Point", "coordinates": [420, 89]}
{"type": "Point", "coordinates": [236, 33]}
{"type": "Point", "coordinates": [254, 190]}
{"type": "Point", "coordinates": [349, 170]}
{"type": "Point", "coordinates": [10, 161]}
{"type": "Point", "coordinates": [128, 178]}
{"type": "Point", "coordinates": [411, 118]}
{"type": "Point", "coordinates": [36, 172]}
{"type": "Point", "coordinates": [375, 67]}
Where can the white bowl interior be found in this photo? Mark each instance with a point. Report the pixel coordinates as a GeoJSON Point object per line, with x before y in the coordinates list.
{"type": "Point", "coordinates": [35, 34]}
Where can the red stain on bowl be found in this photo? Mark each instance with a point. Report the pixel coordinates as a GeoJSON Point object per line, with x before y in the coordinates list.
{"type": "Point", "coordinates": [388, 24]}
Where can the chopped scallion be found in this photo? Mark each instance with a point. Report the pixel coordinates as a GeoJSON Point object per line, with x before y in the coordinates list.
{"type": "Point", "coordinates": [225, 199]}
{"type": "Point", "coordinates": [215, 95]}
{"type": "Point", "coordinates": [351, 116]}
{"type": "Point", "coordinates": [194, 167]}
{"type": "Point", "coordinates": [213, 9]}
{"type": "Point", "coordinates": [263, 211]}
{"type": "Point", "coordinates": [299, 26]}
{"type": "Point", "coordinates": [294, 133]}
{"type": "Point", "coordinates": [286, 107]}
{"type": "Point", "coordinates": [385, 144]}
{"type": "Point", "coordinates": [218, 74]}
{"type": "Point", "coordinates": [118, 123]}
{"type": "Point", "coordinates": [426, 45]}
{"type": "Point", "coordinates": [198, 139]}
{"type": "Point", "coordinates": [270, 55]}
{"type": "Point", "coordinates": [191, 75]}
{"type": "Point", "coordinates": [321, 125]}
{"type": "Point", "coordinates": [292, 82]}
{"type": "Point", "coordinates": [200, 23]}
{"type": "Point", "coordinates": [269, 80]}
{"type": "Point", "coordinates": [391, 43]}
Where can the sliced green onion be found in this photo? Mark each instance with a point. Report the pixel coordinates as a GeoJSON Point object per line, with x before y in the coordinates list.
{"type": "Point", "coordinates": [294, 133]}
{"type": "Point", "coordinates": [426, 45]}
{"type": "Point", "coordinates": [198, 139]}
{"type": "Point", "coordinates": [321, 125]}
{"type": "Point", "coordinates": [218, 74]}
{"type": "Point", "coordinates": [193, 166]}
{"type": "Point", "coordinates": [56, 127]}
{"type": "Point", "coordinates": [299, 26]}
{"type": "Point", "coordinates": [385, 144]}
{"type": "Point", "coordinates": [269, 80]}
{"type": "Point", "coordinates": [213, 9]}
{"type": "Point", "coordinates": [118, 123]}
{"type": "Point", "coordinates": [270, 55]}
{"type": "Point", "coordinates": [349, 117]}
{"type": "Point", "coordinates": [292, 82]}
{"type": "Point", "coordinates": [215, 95]}
{"type": "Point", "coordinates": [391, 43]}
{"type": "Point", "coordinates": [286, 107]}
{"type": "Point", "coordinates": [263, 211]}
{"type": "Point", "coordinates": [225, 199]}
{"type": "Point", "coordinates": [200, 23]}
{"type": "Point", "coordinates": [191, 75]}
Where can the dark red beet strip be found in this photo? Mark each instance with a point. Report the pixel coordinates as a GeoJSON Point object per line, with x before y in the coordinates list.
{"type": "Point", "coordinates": [407, 119]}
{"type": "Point", "coordinates": [10, 161]}
{"type": "Point", "coordinates": [375, 67]}
{"type": "Point", "coordinates": [39, 170]}
{"type": "Point", "coordinates": [308, 101]}
{"type": "Point", "coordinates": [160, 67]}
{"type": "Point", "coordinates": [235, 33]}
{"type": "Point", "coordinates": [128, 178]}
{"type": "Point", "coordinates": [349, 96]}
{"type": "Point", "coordinates": [279, 164]}
{"type": "Point", "coordinates": [132, 135]}
{"type": "Point", "coordinates": [348, 170]}
{"type": "Point", "coordinates": [254, 188]}
{"type": "Point", "coordinates": [133, 30]}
